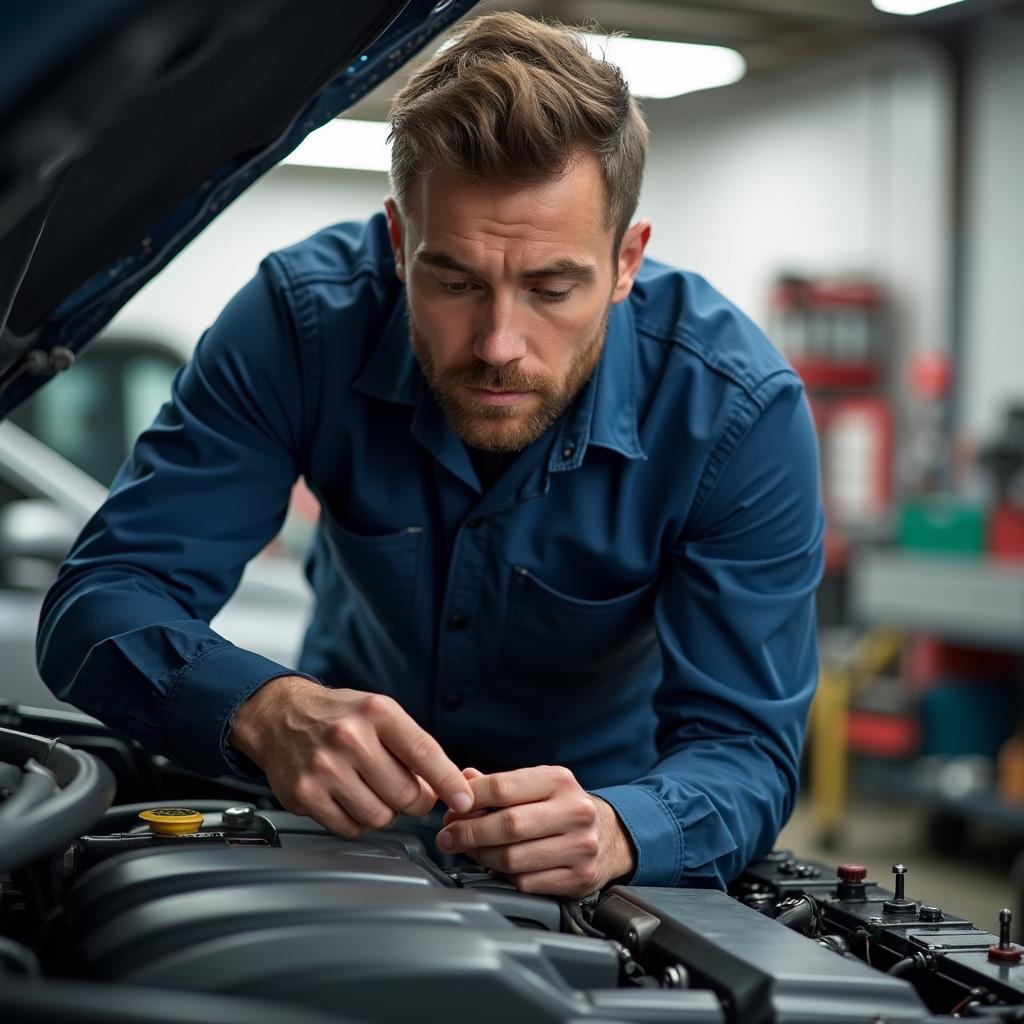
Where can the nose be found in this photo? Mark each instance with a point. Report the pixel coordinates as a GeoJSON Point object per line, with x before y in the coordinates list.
{"type": "Point", "coordinates": [499, 338]}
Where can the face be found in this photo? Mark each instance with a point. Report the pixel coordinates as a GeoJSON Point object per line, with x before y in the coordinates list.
{"type": "Point", "coordinates": [508, 293]}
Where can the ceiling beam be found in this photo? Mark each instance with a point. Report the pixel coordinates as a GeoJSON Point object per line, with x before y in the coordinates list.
{"type": "Point", "coordinates": [685, 22]}
{"type": "Point", "coordinates": [851, 11]}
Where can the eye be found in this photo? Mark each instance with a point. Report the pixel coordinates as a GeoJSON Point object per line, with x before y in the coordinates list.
{"type": "Point", "coordinates": [552, 295]}
{"type": "Point", "coordinates": [455, 287]}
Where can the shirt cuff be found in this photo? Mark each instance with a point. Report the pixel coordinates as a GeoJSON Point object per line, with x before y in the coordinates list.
{"type": "Point", "coordinates": [654, 829]}
{"type": "Point", "coordinates": [202, 702]}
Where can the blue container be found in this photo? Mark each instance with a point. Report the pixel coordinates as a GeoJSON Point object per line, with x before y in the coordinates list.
{"type": "Point", "coordinates": [968, 716]}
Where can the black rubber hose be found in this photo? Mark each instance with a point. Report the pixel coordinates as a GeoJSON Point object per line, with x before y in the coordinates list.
{"type": "Point", "coordinates": [903, 967]}
{"type": "Point", "coordinates": [1003, 1014]}
{"type": "Point", "coordinates": [575, 912]}
{"type": "Point", "coordinates": [10, 777]}
{"type": "Point", "coordinates": [37, 786]}
{"type": "Point", "coordinates": [801, 917]}
{"type": "Point", "coordinates": [834, 942]}
{"type": "Point", "coordinates": [84, 789]}
{"type": "Point", "coordinates": [12, 952]}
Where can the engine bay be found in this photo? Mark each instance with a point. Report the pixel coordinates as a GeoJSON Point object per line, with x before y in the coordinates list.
{"type": "Point", "coordinates": [118, 902]}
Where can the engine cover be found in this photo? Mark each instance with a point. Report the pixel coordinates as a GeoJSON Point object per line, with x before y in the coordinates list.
{"type": "Point", "coordinates": [367, 928]}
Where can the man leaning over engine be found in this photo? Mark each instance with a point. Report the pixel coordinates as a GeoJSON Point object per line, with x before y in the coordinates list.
{"type": "Point", "coordinates": [570, 526]}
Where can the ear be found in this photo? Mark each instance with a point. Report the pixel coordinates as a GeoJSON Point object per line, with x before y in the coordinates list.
{"type": "Point", "coordinates": [395, 235]}
{"type": "Point", "coordinates": [631, 255]}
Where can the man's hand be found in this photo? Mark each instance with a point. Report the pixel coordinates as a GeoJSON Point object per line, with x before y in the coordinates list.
{"type": "Point", "coordinates": [543, 830]}
{"type": "Point", "coordinates": [348, 759]}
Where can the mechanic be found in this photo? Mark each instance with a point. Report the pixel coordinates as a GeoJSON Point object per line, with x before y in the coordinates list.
{"type": "Point", "coordinates": [570, 523]}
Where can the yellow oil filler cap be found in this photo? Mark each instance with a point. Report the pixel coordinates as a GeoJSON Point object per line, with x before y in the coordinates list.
{"type": "Point", "coordinates": [172, 821]}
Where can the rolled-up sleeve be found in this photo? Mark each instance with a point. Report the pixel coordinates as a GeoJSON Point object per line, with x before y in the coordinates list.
{"type": "Point", "coordinates": [124, 631]}
{"type": "Point", "coordinates": [736, 624]}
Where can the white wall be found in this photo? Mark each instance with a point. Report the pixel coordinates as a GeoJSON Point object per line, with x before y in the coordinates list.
{"type": "Point", "coordinates": [841, 167]}
{"type": "Point", "coordinates": [285, 206]}
{"type": "Point", "coordinates": [994, 245]}
{"type": "Point", "coordinates": [835, 168]}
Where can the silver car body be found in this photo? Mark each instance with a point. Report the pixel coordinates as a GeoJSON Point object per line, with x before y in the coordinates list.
{"type": "Point", "coordinates": [44, 503]}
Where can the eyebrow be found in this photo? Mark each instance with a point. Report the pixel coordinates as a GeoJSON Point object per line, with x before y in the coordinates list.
{"type": "Point", "coordinates": [560, 268]}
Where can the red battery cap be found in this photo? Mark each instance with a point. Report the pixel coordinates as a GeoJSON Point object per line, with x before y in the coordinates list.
{"type": "Point", "coordinates": [852, 872]}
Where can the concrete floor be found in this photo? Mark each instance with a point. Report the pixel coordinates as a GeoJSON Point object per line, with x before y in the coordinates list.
{"type": "Point", "coordinates": [878, 834]}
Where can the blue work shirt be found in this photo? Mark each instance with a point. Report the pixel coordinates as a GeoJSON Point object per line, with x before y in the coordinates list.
{"type": "Point", "coordinates": [632, 598]}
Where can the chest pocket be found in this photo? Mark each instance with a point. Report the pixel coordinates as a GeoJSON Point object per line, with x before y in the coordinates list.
{"type": "Point", "coordinates": [381, 568]}
{"type": "Point", "coordinates": [550, 633]}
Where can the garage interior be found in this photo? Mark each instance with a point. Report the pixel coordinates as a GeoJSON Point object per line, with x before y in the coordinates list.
{"type": "Point", "coordinates": [857, 191]}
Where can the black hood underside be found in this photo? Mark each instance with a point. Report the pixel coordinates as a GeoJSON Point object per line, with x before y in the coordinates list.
{"type": "Point", "coordinates": [117, 151]}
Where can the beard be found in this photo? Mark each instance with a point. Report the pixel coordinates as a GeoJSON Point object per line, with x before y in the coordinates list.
{"type": "Point", "coordinates": [505, 428]}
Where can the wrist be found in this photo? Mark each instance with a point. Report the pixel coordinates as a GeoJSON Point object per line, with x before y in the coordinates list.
{"type": "Point", "coordinates": [248, 727]}
{"type": "Point", "coordinates": [620, 858]}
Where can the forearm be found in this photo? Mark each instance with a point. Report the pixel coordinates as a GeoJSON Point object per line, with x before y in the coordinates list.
{"type": "Point", "coordinates": [702, 813]}
{"type": "Point", "coordinates": [124, 631]}
{"type": "Point", "coordinates": [116, 645]}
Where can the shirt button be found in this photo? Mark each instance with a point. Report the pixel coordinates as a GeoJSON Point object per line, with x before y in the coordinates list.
{"type": "Point", "coordinates": [457, 621]}
{"type": "Point", "coordinates": [568, 452]}
{"type": "Point", "coordinates": [475, 523]}
{"type": "Point", "coordinates": [451, 701]}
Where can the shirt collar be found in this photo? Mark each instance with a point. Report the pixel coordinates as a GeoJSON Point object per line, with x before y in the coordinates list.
{"type": "Point", "coordinates": [392, 373]}
{"type": "Point", "coordinates": [604, 414]}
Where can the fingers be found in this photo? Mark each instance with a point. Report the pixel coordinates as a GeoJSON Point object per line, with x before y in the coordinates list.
{"type": "Point", "coordinates": [325, 811]}
{"type": "Point", "coordinates": [394, 784]}
{"type": "Point", "coordinates": [519, 824]}
{"type": "Point", "coordinates": [419, 751]}
{"type": "Point", "coordinates": [562, 882]}
{"type": "Point", "coordinates": [538, 855]}
{"type": "Point", "coordinates": [525, 785]}
{"type": "Point", "coordinates": [538, 827]}
{"type": "Point", "coordinates": [359, 801]}
{"type": "Point", "coordinates": [346, 805]}
{"type": "Point", "coordinates": [332, 777]}
{"type": "Point", "coordinates": [425, 803]}
{"type": "Point", "coordinates": [354, 760]}
{"type": "Point", "coordinates": [450, 815]}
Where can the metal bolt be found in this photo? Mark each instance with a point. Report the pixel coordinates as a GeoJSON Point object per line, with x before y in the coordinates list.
{"type": "Point", "coordinates": [61, 358]}
{"type": "Point", "coordinates": [238, 817]}
{"type": "Point", "coordinates": [675, 976]}
{"type": "Point", "coordinates": [1005, 920]}
{"type": "Point", "coordinates": [900, 871]}
{"type": "Point", "coordinates": [37, 362]}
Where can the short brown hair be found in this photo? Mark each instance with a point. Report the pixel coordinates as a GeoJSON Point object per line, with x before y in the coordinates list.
{"type": "Point", "coordinates": [508, 102]}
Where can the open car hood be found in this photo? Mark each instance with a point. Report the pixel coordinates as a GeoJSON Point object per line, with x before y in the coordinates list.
{"type": "Point", "coordinates": [126, 126]}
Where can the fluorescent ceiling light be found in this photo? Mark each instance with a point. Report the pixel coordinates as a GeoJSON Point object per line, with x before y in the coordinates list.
{"type": "Point", "coordinates": [345, 144]}
{"type": "Point", "coordinates": [911, 6]}
{"type": "Point", "coordinates": [653, 69]}
{"type": "Point", "coordinates": [656, 70]}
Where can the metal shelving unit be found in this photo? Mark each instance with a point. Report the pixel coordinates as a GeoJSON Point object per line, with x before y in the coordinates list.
{"type": "Point", "coordinates": [976, 603]}
{"type": "Point", "coordinates": [981, 806]}
{"type": "Point", "coordinates": [980, 603]}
